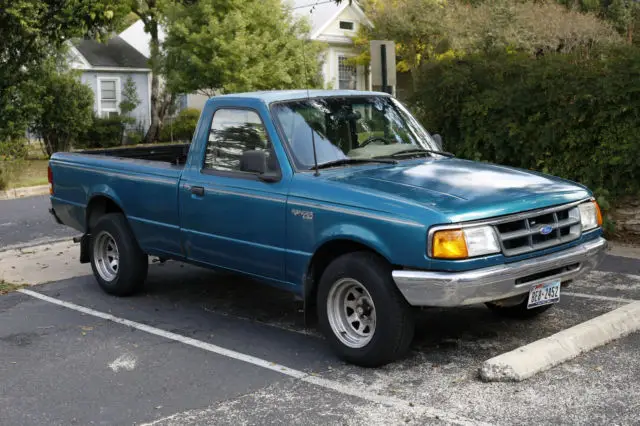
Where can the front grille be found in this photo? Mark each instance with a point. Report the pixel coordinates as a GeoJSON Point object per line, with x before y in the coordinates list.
{"type": "Point", "coordinates": [524, 233]}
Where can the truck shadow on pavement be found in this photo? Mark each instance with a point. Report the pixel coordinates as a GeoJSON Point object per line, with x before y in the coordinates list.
{"type": "Point", "coordinates": [466, 336]}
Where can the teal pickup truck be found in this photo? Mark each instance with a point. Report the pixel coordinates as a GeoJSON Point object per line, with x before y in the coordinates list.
{"type": "Point", "coordinates": [340, 197]}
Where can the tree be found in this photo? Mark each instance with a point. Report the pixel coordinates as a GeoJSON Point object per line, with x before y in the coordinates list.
{"type": "Point", "coordinates": [623, 14]}
{"type": "Point", "coordinates": [31, 31]}
{"type": "Point", "coordinates": [130, 99]}
{"type": "Point", "coordinates": [66, 109]}
{"type": "Point", "coordinates": [151, 13]}
{"type": "Point", "coordinates": [430, 29]}
{"type": "Point", "coordinates": [238, 45]}
{"type": "Point", "coordinates": [530, 27]}
{"type": "Point", "coordinates": [417, 27]}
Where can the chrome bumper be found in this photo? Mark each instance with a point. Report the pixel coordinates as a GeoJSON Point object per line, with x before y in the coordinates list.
{"type": "Point", "coordinates": [424, 288]}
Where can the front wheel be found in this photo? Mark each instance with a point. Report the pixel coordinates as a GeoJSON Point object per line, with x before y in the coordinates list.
{"type": "Point", "coordinates": [118, 263]}
{"type": "Point", "coordinates": [363, 315]}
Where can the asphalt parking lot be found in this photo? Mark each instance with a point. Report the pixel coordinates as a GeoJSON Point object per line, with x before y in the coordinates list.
{"type": "Point", "coordinates": [206, 348]}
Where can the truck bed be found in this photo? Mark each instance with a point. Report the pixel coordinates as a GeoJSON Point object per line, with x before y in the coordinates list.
{"type": "Point", "coordinates": [175, 154]}
{"type": "Point", "coordinates": [143, 182]}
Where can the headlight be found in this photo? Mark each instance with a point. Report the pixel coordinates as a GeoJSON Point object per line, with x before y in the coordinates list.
{"type": "Point", "coordinates": [590, 215]}
{"type": "Point", "coordinates": [464, 243]}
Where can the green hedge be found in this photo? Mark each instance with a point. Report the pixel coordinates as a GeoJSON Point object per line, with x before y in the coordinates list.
{"type": "Point", "coordinates": [103, 133]}
{"type": "Point", "coordinates": [182, 127]}
{"type": "Point", "coordinates": [569, 116]}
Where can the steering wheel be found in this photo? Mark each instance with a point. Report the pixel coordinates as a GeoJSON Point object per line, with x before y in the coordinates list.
{"type": "Point", "coordinates": [374, 138]}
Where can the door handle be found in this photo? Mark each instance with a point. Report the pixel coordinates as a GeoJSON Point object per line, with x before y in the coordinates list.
{"type": "Point", "coordinates": [197, 190]}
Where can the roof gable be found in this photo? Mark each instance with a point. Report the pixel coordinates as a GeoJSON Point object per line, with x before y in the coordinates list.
{"type": "Point", "coordinates": [115, 53]}
{"type": "Point", "coordinates": [323, 13]}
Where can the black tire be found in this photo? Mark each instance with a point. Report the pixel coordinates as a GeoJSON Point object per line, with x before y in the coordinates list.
{"type": "Point", "coordinates": [395, 322]}
{"type": "Point", "coordinates": [518, 311]}
{"type": "Point", "coordinates": [133, 263]}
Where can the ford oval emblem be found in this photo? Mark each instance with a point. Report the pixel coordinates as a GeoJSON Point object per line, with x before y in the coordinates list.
{"type": "Point", "coordinates": [546, 230]}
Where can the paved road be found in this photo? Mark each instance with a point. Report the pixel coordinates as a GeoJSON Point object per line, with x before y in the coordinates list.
{"type": "Point", "coordinates": [27, 220]}
{"type": "Point", "coordinates": [60, 366]}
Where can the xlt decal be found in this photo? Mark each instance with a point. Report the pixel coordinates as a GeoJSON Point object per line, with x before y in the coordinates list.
{"type": "Point", "coordinates": [306, 215]}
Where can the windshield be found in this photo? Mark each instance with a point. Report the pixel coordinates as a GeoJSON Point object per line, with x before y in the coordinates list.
{"type": "Point", "coordinates": [364, 127]}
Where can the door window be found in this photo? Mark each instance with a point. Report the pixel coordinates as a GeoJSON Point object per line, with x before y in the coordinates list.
{"type": "Point", "coordinates": [234, 133]}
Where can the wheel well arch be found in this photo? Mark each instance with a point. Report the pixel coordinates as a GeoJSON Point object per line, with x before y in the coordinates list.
{"type": "Point", "coordinates": [98, 206]}
{"type": "Point", "coordinates": [324, 255]}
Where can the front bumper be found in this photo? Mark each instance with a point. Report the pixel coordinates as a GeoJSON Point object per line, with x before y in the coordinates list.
{"type": "Point", "coordinates": [424, 288]}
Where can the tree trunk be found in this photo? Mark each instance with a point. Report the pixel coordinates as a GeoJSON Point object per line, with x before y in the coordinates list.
{"type": "Point", "coordinates": [156, 119]}
{"type": "Point", "coordinates": [630, 33]}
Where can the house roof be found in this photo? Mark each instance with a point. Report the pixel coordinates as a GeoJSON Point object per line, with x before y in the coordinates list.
{"type": "Point", "coordinates": [322, 13]}
{"type": "Point", "coordinates": [269, 96]}
{"type": "Point", "coordinates": [115, 53]}
{"type": "Point", "coordinates": [319, 12]}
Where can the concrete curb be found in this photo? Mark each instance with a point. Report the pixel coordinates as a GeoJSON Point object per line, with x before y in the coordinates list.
{"type": "Point", "coordinates": [36, 243]}
{"type": "Point", "coordinates": [30, 191]}
{"type": "Point", "coordinates": [524, 362]}
{"type": "Point", "coordinates": [623, 250]}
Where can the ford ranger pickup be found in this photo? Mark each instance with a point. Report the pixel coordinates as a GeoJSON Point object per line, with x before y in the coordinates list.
{"type": "Point", "coordinates": [340, 197]}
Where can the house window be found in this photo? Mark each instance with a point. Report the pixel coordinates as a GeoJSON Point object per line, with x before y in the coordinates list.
{"type": "Point", "coordinates": [346, 25]}
{"type": "Point", "coordinates": [109, 91]}
{"type": "Point", "coordinates": [346, 74]}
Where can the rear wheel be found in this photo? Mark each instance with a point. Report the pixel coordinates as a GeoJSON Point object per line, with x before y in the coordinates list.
{"type": "Point", "coordinates": [361, 312]}
{"type": "Point", "coordinates": [516, 308]}
{"type": "Point", "coordinates": [118, 263]}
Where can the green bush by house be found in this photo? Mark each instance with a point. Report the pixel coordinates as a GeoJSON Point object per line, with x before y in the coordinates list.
{"type": "Point", "coordinates": [567, 115]}
{"type": "Point", "coordinates": [103, 133]}
{"type": "Point", "coordinates": [182, 127]}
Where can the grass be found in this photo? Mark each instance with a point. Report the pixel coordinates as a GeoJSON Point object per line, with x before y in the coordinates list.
{"type": "Point", "coordinates": [8, 288]}
{"type": "Point", "coordinates": [28, 173]}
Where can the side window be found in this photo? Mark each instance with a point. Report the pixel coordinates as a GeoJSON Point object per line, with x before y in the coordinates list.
{"type": "Point", "coordinates": [236, 136]}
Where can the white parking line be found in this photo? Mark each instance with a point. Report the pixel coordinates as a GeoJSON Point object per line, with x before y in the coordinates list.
{"type": "Point", "coordinates": [345, 389]}
{"type": "Point", "coordinates": [599, 297]}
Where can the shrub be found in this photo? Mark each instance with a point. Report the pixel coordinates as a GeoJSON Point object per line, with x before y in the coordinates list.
{"type": "Point", "coordinates": [8, 171]}
{"type": "Point", "coordinates": [570, 116]}
{"type": "Point", "coordinates": [182, 126]}
{"type": "Point", "coordinates": [65, 111]}
{"type": "Point", "coordinates": [13, 149]}
{"type": "Point", "coordinates": [134, 138]}
{"type": "Point", "coordinates": [104, 132]}
{"type": "Point", "coordinates": [12, 153]}
{"type": "Point", "coordinates": [4, 176]}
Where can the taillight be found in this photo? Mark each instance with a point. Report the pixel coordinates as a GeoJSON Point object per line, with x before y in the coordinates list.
{"type": "Point", "coordinates": [50, 177]}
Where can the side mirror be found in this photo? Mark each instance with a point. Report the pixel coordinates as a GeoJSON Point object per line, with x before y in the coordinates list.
{"type": "Point", "coordinates": [258, 162]}
{"type": "Point", "coordinates": [438, 139]}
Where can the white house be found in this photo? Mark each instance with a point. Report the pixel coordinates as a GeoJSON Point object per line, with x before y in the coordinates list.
{"type": "Point", "coordinates": [336, 25]}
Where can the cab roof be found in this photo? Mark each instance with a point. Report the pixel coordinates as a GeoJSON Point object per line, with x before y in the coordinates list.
{"type": "Point", "coordinates": [271, 96]}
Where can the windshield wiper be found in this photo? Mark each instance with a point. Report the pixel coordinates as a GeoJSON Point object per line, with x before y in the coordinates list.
{"type": "Point", "coordinates": [345, 161]}
{"type": "Point", "coordinates": [421, 151]}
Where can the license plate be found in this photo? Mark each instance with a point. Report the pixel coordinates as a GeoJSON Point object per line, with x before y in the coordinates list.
{"type": "Point", "coordinates": [544, 294]}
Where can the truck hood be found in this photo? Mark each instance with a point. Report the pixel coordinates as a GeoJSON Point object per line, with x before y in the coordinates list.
{"type": "Point", "coordinates": [464, 190]}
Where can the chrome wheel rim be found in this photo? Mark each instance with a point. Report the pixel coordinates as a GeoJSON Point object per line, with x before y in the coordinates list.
{"type": "Point", "coordinates": [351, 313]}
{"type": "Point", "coordinates": [106, 256]}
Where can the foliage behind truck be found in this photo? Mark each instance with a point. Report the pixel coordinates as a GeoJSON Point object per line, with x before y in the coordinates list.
{"type": "Point", "coordinates": [342, 198]}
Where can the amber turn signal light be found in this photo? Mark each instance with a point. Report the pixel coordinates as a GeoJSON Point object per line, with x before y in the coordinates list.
{"type": "Point", "coordinates": [598, 212]}
{"type": "Point", "coordinates": [449, 244]}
